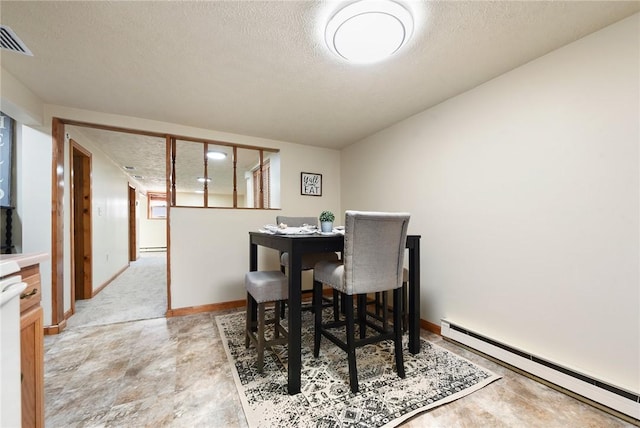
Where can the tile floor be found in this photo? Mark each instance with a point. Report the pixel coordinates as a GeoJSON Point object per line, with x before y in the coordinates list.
{"type": "Point", "coordinates": [174, 372]}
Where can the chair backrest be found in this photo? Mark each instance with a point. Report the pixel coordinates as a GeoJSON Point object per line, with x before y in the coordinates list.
{"type": "Point", "coordinates": [297, 221]}
{"type": "Point", "coordinates": [374, 246]}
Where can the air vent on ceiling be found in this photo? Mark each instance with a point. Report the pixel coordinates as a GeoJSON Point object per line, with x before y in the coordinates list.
{"type": "Point", "coordinates": [12, 42]}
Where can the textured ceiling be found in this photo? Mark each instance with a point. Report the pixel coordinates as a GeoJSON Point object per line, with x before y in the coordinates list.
{"type": "Point", "coordinates": [262, 69]}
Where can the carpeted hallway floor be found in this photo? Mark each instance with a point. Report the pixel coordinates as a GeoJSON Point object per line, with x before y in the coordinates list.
{"type": "Point", "coordinates": [140, 292]}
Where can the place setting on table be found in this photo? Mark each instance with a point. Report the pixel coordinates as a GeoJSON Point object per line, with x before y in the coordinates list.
{"type": "Point", "coordinates": [305, 230]}
{"type": "Point", "coordinates": [326, 219]}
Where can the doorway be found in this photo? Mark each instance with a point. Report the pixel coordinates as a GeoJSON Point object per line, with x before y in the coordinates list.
{"type": "Point", "coordinates": [81, 239]}
{"type": "Point", "coordinates": [133, 242]}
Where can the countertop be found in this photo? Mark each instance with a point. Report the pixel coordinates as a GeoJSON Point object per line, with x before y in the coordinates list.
{"type": "Point", "coordinates": [24, 260]}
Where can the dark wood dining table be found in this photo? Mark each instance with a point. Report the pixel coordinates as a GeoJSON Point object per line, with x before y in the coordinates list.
{"type": "Point", "coordinates": [296, 246]}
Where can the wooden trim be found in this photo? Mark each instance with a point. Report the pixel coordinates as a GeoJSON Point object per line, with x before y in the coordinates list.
{"type": "Point", "coordinates": [227, 208]}
{"type": "Point", "coordinates": [109, 281]}
{"type": "Point", "coordinates": [32, 367]}
{"type": "Point", "coordinates": [426, 325]}
{"type": "Point", "coordinates": [57, 221]}
{"type": "Point", "coordinates": [223, 143]}
{"type": "Point", "coordinates": [51, 330]}
{"type": "Point", "coordinates": [85, 234]}
{"type": "Point", "coordinates": [55, 328]}
{"type": "Point", "coordinates": [162, 135]}
{"type": "Point", "coordinates": [205, 161]}
{"type": "Point", "coordinates": [132, 194]}
{"type": "Point", "coordinates": [429, 326]}
{"type": "Point", "coordinates": [171, 166]}
{"type": "Point", "coordinates": [235, 177]}
{"type": "Point", "coordinates": [87, 230]}
{"type": "Point", "coordinates": [72, 219]}
{"type": "Point", "coordinates": [260, 181]}
{"type": "Point", "coordinates": [170, 173]}
{"type": "Point", "coordinates": [205, 308]}
{"type": "Point", "coordinates": [111, 128]}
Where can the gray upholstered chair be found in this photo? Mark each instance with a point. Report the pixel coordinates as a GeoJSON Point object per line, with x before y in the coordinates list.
{"type": "Point", "coordinates": [265, 287]}
{"type": "Point", "coordinates": [374, 246]}
{"type": "Point", "coordinates": [308, 260]}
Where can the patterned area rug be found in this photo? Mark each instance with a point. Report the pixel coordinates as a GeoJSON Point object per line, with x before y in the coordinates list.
{"type": "Point", "coordinates": [433, 377]}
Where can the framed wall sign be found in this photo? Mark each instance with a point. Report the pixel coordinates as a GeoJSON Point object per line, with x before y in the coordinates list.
{"type": "Point", "coordinates": [311, 184]}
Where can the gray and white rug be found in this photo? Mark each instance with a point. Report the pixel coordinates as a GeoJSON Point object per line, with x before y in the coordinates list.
{"type": "Point", "coordinates": [434, 377]}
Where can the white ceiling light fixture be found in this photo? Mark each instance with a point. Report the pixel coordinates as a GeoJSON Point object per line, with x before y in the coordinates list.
{"type": "Point", "coordinates": [204, 180]}
{"type": "Point", "coordinates": [368, 31]}
{"type": "Point", "coordinates": [214, 155]}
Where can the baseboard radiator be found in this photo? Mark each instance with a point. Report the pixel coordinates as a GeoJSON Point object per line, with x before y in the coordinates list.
{"type": "Point", "coordinates": [152, 249]}
{"type": "Point", "coordinates": [612, 397]}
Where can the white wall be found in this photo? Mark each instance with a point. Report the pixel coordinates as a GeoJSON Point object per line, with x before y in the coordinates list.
{"type": "Point", "coordinates": [210, 254]}
{"type": "Point", "coordinates": [33, 202]}
{"type": "Point", "coordinates": [526, 193]}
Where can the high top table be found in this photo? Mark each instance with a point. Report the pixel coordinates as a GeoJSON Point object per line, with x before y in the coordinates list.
{"type": "Point", "coordinates": [296, 246]}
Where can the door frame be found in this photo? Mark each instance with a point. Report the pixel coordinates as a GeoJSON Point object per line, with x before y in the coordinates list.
{"type": "Point", "coordinates": [133, 230]}
{"type": "Point", "coordinates": [58, 142]}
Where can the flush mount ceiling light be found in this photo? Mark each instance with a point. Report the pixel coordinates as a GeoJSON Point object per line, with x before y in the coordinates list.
{"type": "Point", "coordinates": [369, 30]}
{"type": "Point", "coordinates": [204, 179]}
{"type": "Point", "coordinates": [212, 154]}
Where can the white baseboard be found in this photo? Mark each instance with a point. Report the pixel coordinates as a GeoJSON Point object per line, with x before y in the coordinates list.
{"type": "Point", "coordinates": [618, 399]}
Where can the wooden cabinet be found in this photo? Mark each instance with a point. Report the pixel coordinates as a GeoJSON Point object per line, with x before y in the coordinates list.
{"type": "Point", "coordinates": [32, 349]}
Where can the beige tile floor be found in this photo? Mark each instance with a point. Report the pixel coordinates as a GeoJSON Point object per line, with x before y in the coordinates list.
{"type": "Point", "coordinates": [174, 372]}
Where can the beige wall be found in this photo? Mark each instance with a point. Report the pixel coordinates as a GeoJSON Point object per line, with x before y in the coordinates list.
{"type": "Point", "coordinates": [526, 193]}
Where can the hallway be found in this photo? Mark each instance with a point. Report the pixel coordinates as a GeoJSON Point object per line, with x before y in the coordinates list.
{"type": "Point", "coordinates": [138, 293]}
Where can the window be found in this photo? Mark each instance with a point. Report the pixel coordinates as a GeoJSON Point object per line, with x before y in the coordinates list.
{"type": "Point", "coordinates": [157, 205]}
{"type": "Point", "coordinates": [222, 175]}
